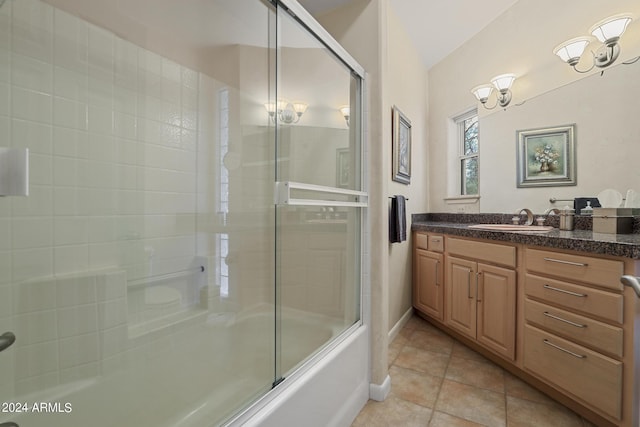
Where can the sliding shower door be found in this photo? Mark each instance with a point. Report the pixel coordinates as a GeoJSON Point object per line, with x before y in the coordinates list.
{"type": "Point", "coordinates": [137, 275]}
{"type": "Point", "coordinates": [318, 193]}
{"type": "Point", "coordinates": [187, 230]}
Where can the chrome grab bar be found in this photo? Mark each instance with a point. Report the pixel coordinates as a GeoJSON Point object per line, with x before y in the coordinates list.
{"type": "Point", "coordinates": [549, 343]}
{"type": "Point", "coordinates": [560, 261]}
{"type": "Point", "coordinates": [633, 282]}
{"type": "Point", "coordinates": [577, 325]}
{"type": "Point", "coordinates": [575, 294]}
{"type": "Point", "coordinates": [166, 276]}
{"type": "Point", "coordinates": [6, 340]}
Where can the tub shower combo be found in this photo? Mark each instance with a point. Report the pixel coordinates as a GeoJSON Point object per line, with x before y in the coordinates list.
{"type": "Point", "coordinates": [181, 216]}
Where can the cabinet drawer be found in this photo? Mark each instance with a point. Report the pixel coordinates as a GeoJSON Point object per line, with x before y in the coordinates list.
{"type": "Point", "coordinates": [589, 301]}
{"type": "Point", "coordinates": [590, 376]}
{"type": "Point", "coordinates": [482, 251]}
{"type": "Point", "coordinates": [601, 272]}
{"type": "Point", "coordinates": [436, 242]}
{"type": "Point", "coordinates": [597, 335]}
{"type": "Point", "coordinates": [422, 241]}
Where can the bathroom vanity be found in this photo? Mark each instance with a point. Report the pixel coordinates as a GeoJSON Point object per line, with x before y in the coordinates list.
{"type": "Point", "coordinates": [548, 307]}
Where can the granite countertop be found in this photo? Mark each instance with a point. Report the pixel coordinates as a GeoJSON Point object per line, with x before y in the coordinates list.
{"type": "Point", "coordinates": [581, 239]}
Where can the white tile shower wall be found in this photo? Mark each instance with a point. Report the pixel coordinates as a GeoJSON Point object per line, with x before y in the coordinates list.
{"type": "Point", "coordinates": [112, 130]}
{"type": "Point", "coordinates": [113, 133]}
{"type": "Point", "coordinates": [67, 327]}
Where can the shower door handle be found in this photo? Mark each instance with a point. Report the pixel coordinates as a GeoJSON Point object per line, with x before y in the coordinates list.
{"type": "Point", "coordinates": [6, 340]}
{"type": "Point", "coordinates": [283, 196]}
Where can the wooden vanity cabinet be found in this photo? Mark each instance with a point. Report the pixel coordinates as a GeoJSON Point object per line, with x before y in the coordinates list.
{"type": "Point", "coordinates": [558, 319]}
{"type": "Point", "coordinates": [428, 275]}
{"type": "Point", "coordinates": [573, 333]}
{"type": "Point", "coordinates": [481, 297]}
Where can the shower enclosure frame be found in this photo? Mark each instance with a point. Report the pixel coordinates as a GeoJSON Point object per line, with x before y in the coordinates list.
{"type": "Point", "coordinates": [350, 350]}
{"type": "Point", "coordinates": [136, 277]}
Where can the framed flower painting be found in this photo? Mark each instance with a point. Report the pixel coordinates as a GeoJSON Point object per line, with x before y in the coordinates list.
{"type": "Point", "coordinates": [546, 157]}
{"type": "Point", "coordinates": [401, 144]}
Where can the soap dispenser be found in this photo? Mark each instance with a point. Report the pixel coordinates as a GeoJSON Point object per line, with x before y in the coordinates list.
{"type": "Point", "coordinates": [587, 210]}
{"type": "Point", "coordinates": [566, 218]}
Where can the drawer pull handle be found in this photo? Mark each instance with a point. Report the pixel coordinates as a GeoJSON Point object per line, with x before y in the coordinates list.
{"type": "Point", "coordinates": [560, 261]}
{"type": "Point", "coordinates": [549, 343]}
{"type": "Point", "coordinates": [577, 325]}
{"type": "Point", "coordinates": [575, 294]}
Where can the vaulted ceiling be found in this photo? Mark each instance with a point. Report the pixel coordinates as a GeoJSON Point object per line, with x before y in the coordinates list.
{"type": "Point", "coordinates": [436, 28]}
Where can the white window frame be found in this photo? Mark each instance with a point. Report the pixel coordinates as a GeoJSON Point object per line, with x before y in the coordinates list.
{"type": "Point", "coordinates": [459, 122]}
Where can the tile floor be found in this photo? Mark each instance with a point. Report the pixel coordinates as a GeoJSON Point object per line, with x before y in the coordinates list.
{"type": "Point", "coordinates": [437, 381]}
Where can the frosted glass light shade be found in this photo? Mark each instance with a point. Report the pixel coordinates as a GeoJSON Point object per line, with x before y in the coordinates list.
{"type": "Point", "coordinates": [282, 104]}
{"type": "Point", "coordinates": [300, 107]}
{"type": "Point", "coordinates": [571, 50]}
{"type": "Point", "coordinates": [611, 28]}
{"type": "Point", "coordinates": [503, 82]}
{"type": "Point", "coordinates": [345, 110]}
{"type": "Point", "coordinates": [270, 107]}
{"type": "Point", "coordinates": [482, 92]}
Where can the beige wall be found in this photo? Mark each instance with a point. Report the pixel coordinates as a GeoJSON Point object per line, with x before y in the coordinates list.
{"type": "Point", "coordinates": [406, 88]}
{"type": "Point", "coordinates": [520, 41]}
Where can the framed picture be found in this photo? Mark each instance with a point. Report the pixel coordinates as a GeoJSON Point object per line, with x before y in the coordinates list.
{"type": "Point", "coordinates": [342, 167]}
{"type": "Point", "coordinates": [546, 157]}
{"type": "Point", "coordinates": [401, 143]}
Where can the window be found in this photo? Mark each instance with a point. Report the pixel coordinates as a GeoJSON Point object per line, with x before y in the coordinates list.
{"type": "Point", "coordinates": [469, 147]}
{"type": "Point", "coordinates": [222, 239]}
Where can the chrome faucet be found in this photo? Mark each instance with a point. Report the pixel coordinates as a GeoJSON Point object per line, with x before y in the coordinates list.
{"type": "Point", "coordinates": [516, 218]}
{"type": "Point", "coordinates": [551, 211]}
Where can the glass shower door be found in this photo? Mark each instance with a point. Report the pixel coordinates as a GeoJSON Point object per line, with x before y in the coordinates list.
{"type": "Point", "coordinates": [318, 196]}
{"type": "Point", "coordinates": [137, 276]}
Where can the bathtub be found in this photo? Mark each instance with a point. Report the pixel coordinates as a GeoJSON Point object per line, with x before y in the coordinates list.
{"type": "Point", "coordinates": [184, 378]}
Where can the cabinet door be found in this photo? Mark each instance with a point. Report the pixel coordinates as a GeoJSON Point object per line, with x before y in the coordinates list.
{"type": "Point", "coordinates": [497, 309]}
{"type": "Point", "coordinates": [428, 295]}
{"type": "Point", "coordinates": [461, 295]}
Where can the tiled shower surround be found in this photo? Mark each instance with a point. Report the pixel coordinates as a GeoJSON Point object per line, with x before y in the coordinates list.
{"type": "Point", "coordinates": [115, 145]}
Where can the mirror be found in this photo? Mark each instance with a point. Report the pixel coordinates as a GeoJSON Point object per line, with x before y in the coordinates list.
{"type": "Point", "coordinates": [604, 110]}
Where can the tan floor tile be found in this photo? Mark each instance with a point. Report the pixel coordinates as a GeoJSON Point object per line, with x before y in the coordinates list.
{"type": "Point", "coordinates": [440, 419]}
{"type": "Point", "coordinates": [395, 348]}
{"type": "Point", "coordinates": [421, 360]}
{"type": "Point", "coordinates": [517, 388]}
{"type": "Point", "coordinates": [472, 403]}
{"type": "Point", "coordinates": [417, 322]}
{"type": "Point", "coordinates": [479, 374]}
{"type": "Point", "coordinates": [392, 412]}
{"type": "Point", "coordinates": [432, 340]}
{"type": "Point", "coordinates": [525, 413]}
{"type": "Point", "coordinates": [461, 350]}
{"type": "Point", "coordinates": [416, 387]}
{"type": "Point", "coordinates": [405, 333]}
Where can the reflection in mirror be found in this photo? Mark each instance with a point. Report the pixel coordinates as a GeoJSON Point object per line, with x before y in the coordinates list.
{"type": "Point", "coordinates": [604, 110]}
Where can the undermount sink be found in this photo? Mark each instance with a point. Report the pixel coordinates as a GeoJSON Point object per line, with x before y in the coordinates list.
{"type": "Point", "coordinates": [513, 227]}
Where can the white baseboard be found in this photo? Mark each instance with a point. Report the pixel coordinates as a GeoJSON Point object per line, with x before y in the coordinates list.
{"type": "Point", "coordinates": [393, 333]}
{"type": "Point", "coordinates": [379, 392]}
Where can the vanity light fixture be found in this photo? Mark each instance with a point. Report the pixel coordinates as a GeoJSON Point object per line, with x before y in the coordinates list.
{"type": "Point", "coordinates": [345, 110]}
{"type": "Point", "coordinates": [608, 32]}
{"type": "Point", "coordinates": [502, 84]}
{"type": "Point", "coordinates": [285, 111]}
